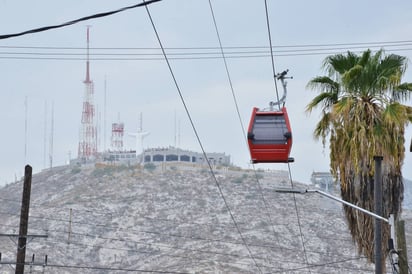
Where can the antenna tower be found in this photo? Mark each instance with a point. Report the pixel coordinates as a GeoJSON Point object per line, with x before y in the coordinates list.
{"type": "Point", "coordinates": [117, 136]}
{"type": "Point", "coordinates": [88, 132]}
{"type": "Point", "coordinates": [51, 137]}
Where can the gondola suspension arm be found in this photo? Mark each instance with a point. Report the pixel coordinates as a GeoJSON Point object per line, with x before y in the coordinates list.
{"type": "Point", "coordinates": [281, 102]}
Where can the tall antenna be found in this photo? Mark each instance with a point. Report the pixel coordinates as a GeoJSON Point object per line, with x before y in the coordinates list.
{"type": "Point", "coordinates": [98, 127]}
{"type": "Point", "coordinates": [88, 134]}
{"type": "Point", "coordinates": [104, 114]}
{"type": "Point", "coordinates": [141, 122]}
{"type": "Point", "coordinates": [45, 136]}
{"type": "Point", "coordinates": [175, 130]}
{"type": "Point", "coordinates": [51, 136]}
{"type": "Point", "coordinates": [25, 130]}
{"type": "Point", "coordinates": [178, 133]}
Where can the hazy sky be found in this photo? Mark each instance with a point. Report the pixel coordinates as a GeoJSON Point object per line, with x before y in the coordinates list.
{"type": "Point", "coordinates": [49, 67]}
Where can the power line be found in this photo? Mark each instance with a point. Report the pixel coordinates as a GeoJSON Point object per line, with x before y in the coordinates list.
{"type": "Point", "coordinates": [310, 266]}
{"type": "Point", "coordinates": [194, 53]}
{"type": "Point", "coordinates": [188, 250]}
{"type": "Point", "coordinates": [128, 230]}
{"type": "Point", "coordinates": [99, 268]}
{"type": "Point", "coordinates": [107, 268]}
{"type": "Point", "coordinates": [180, 56]}
{"type": "Point", "coordinates": [208, 259]}
{"type": "Point", "coordinates": [94, 16]}
{"type": "Point", "coordinates": [333, 45]}
{"type": "Point", "coordinates": [200, 143]}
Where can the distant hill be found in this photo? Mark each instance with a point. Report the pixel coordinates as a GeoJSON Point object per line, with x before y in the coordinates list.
{"type": "Point", "coordinates": [173, 219]}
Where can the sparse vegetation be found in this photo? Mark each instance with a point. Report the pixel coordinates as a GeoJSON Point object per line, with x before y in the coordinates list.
{"type": "Point", "coordinates": [75, 170]}
{"type": "Point", "coordinates": [259, 176]}
{"type": "Point", "coordinates": [184, 203]}
{"type": "Point", "coordinates": [101, 171]}
{"type": "Point", "coordinates": [241, 179]}
{"type": "Point", "coordinates": [149, 167]}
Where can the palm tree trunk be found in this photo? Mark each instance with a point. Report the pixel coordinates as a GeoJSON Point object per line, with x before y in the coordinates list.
{"type": "Point", "coordinates": [358, 190]}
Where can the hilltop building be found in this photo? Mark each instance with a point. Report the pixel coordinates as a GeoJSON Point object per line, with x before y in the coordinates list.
{"type": "Point", "coordinates": [167, 154]}
{"type": "Point", "coordinates": [323, 180]}
{"type": "Point", "coordinates": [173, 154]}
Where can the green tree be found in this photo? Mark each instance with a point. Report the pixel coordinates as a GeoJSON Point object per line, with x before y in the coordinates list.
{"type": "Point", "coordinates": [360, 99]}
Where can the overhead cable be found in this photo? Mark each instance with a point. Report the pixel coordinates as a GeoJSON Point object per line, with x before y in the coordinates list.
{"type": "Point", "coordinates": [277, 94]}
{"type": "Point", "coordinates": [333, 45]}
{"type": "Point", "coordinates": [200, 143]}
{"type": "Point", "coordinates": [94, 16]}
{"type": "Point", "coordinates": [240, 120]}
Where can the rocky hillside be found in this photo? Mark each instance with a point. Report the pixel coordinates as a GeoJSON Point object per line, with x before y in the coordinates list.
{"type": "Point", "coordinates": [173, 219]}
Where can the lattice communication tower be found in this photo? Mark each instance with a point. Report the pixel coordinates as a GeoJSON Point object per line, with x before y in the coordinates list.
{"type": "Point", "coordinates": [117, 136]}
{"type": "Point", "coordinates": [88, 132]}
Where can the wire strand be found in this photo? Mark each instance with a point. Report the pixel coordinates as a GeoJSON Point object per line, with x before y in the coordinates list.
{"type": "Point", "coordinates": [94, 16]}
{"type": "Point", "coordinates": [241, 122]}
{"type": "Point", "coordinates": [271, 51]}
{"type": "Point", "coordinates": [200, 143]}
{"type": "Point", "coordinates": [298, 219]}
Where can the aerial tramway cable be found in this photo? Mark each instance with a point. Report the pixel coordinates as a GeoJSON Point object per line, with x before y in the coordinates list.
{"type": "Point", "coordinates": [269, 132]}
{"type": "Point", "coordinates": [201, 145]}
{"type": "Point", "coordinates": [278, 100]}
{"type": "Point", "coordinates": [268, 212]}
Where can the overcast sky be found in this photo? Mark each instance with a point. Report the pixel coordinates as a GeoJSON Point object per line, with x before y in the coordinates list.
{"type": "Point", "coordinates": [49, 67]}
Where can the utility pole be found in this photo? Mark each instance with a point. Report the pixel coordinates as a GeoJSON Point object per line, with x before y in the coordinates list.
{"type": "Point", "coordinates": [24, 221]}
{"type": "Point", "coordinates": [402, 249]}
{"type": "Point", "coordinates": [70, 227]}
{"type": "Point", "coordinates": [378, 211]}
{"type": "Point", "coordinates": [390, 221]}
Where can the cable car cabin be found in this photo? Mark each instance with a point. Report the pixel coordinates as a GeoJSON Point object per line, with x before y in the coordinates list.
{"type": "Point", "coordinates": [270, 136]}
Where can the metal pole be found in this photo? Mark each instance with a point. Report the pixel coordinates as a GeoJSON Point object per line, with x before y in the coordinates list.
{"type": "Point", "coordinates": [349, 204]}
{"type": "Point", "coordinates": [378, 211]}
{"type": "Point", "coordinates": [70, 226]}
{"type": "Point", "coordinates": [403, 250]}
{"type": "Point", "coordinates": [305, 191]}
{"type": "Point", "coordinates": [24, 221]}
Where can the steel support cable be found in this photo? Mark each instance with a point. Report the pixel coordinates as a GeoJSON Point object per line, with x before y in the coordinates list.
{"type": "Point", "coordinates": [298, 219]}
{"type": "Point", "coordinates": [147, 57]}
{"type": "Point", "coordinates": [151, 232]}
{"type": "Point", "coordinates": [277, 94]}
{"type": "Point", "coordinates": [199, 141]}
{"type": "Point", "coordinates": [192, 250]}
{"type": "Point", "coordinates": [94, 16]}
{"type": "Point", "coordinates": [160, 246]}
{"type": "Point", "coordinates": [246, 52]}
{"type": "Point", "coordinates": [171, 247]}
{"type": "Point", "coordinates": [51, 265]}
{"type": "Point", "coordinates": [347, 45]}
{"type": "Point", "coordinates": [330, 264]}
{"type": "Point", "coordinates": [240, 120]}
{"type": "Point", "coordinates": [272, 58]}
{"type": "Point", "coordinates": [321, 265]}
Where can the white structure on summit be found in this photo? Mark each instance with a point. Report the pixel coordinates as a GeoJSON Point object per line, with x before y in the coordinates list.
{"type": "Point", "coordinates": [139, 135]}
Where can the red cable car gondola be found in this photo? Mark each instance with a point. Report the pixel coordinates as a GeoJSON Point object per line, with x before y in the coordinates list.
{"type": "Point", "coordinates": [269, 133]}
{"type": "Point", "coordinates": [270, 136]}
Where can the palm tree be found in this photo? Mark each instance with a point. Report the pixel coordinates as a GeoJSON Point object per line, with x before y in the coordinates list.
{"type": "Point", "coordinates": [360, 99]}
